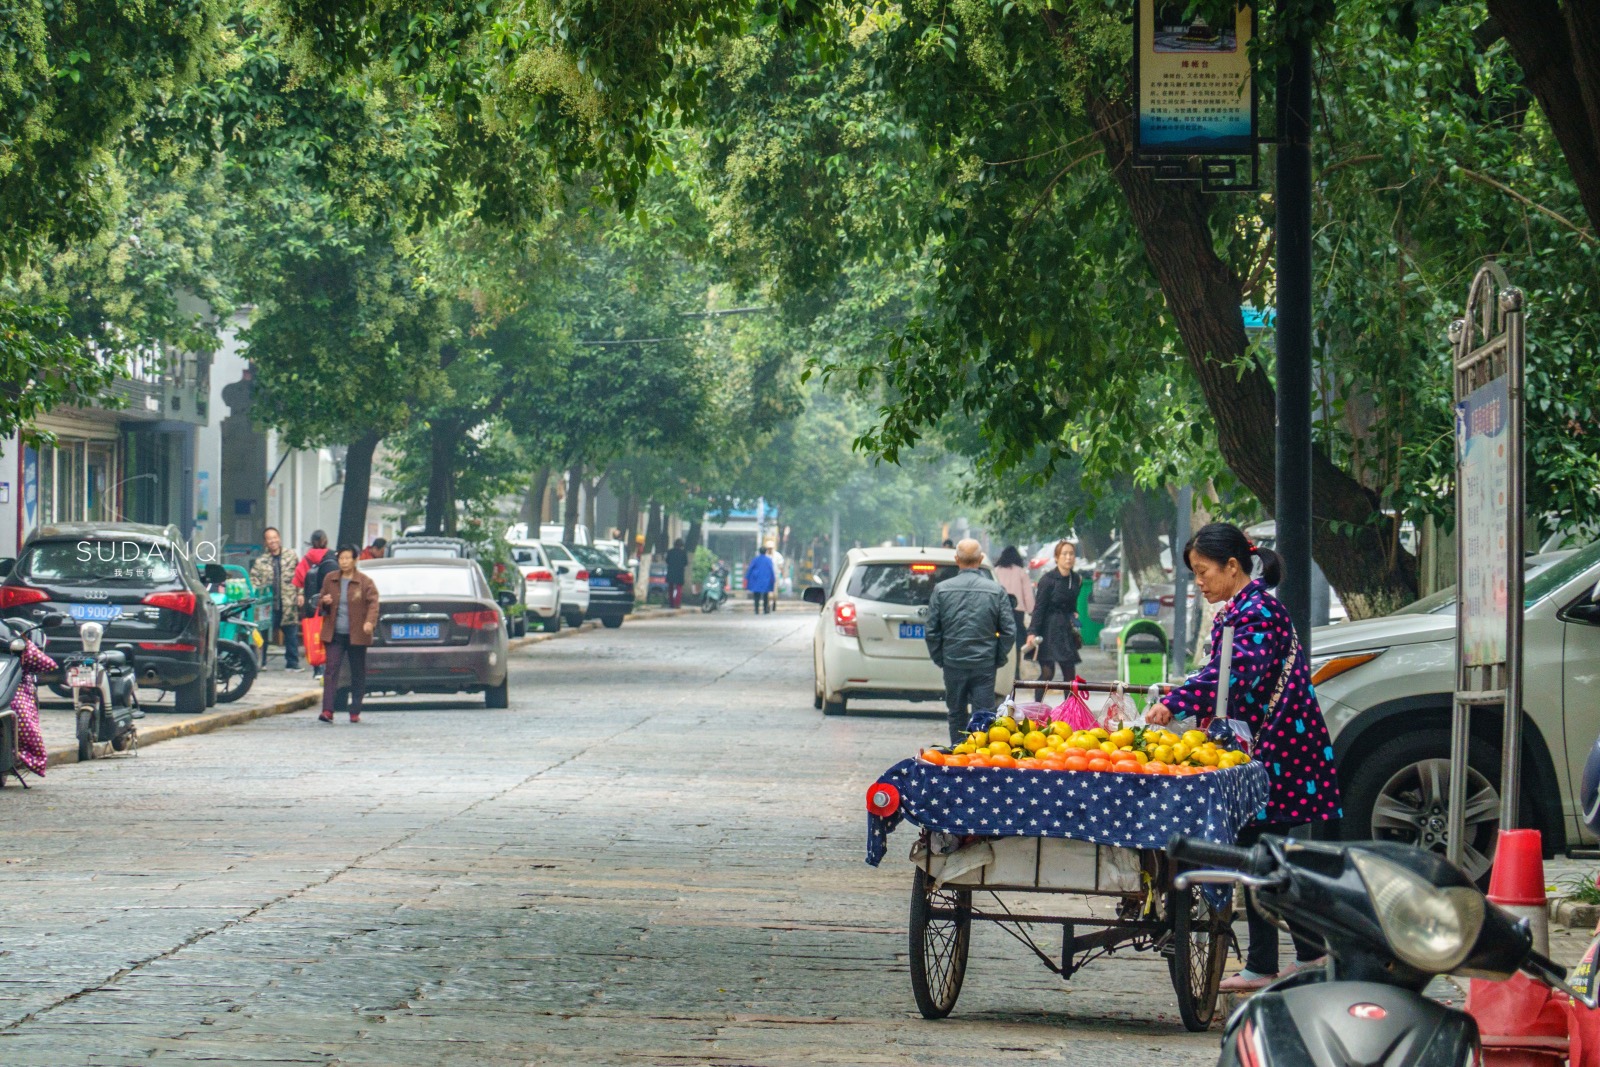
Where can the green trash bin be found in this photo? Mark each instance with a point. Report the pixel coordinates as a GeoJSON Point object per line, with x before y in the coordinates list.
{"type": "Point", "coordinates": [1142, 649]}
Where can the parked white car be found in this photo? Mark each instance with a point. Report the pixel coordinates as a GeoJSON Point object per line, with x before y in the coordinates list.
{"type": "Point", "coordinates": [574, 582]}
{"type": "Point", "coordinates": [869, 643]}
{"type": "Point", "coordinates": [1385, 686]}
{"type": "Point", "coordinates": [543, 597]}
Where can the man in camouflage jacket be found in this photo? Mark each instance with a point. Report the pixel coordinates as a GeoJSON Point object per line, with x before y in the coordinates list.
{"type": "Point", "coordinates": [273, 575]}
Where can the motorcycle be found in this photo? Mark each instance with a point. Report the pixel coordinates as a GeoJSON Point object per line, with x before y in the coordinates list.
{"type": "Point", "coordinates": [1393, 917]}
{"type": "Point", "coordinates": [104, 700]}
{"type": "Point", "coordinates": [239, 655]}
{"type": "Point", "coordinates": [20, 668]}
{"type": "Point", "coordinates": [715, 593]}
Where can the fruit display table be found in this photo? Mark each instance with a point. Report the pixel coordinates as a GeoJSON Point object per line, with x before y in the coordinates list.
{"type": "Point", "coordinates": [989, 831]}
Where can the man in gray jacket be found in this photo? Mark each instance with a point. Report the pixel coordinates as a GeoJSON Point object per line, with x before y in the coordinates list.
{"type": "Point", "coordinates": [970, 632]}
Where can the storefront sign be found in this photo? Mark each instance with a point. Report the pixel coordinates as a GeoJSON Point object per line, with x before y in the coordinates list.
{"type": "Point", "coordinates": [1196, 93]}
{"type": "Point", "coordinates": [1484, 464]}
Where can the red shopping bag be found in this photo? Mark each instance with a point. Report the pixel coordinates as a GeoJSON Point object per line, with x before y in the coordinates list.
{"type": "Point", "coordinates": [311, 630]}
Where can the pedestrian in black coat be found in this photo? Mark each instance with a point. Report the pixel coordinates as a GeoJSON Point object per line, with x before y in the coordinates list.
{"type": "Point", "coordinates": [1054, 629]}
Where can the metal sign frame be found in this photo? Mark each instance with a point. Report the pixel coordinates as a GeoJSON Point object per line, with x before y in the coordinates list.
{"type": "Point", "coordinates": [1488, 342]}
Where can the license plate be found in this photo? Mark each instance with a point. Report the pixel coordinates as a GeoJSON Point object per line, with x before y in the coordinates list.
{"type": "Point", "coordinates": [414, 631]}
{"type": "Point", "coordinates": [80, 677]}
{"type": "Point", "coordinates": [94, 612]}
{"type": "Point", "coordinates": [599, 583]}
{"type": "Point", "coordinates": [1105, 583]}
{"type": "Point", "coordinates": [915, 630]}
{"type": "Point", "coordinates": [1152, 608]}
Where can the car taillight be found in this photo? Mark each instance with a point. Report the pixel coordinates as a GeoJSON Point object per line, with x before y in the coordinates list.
{"type": "Point", "coordinates": [1170, 600]}
{"type": "Point", "coordinates": [626, 577]}
{"type": "Point", "coordinates": [541, 576]}
{"type": "Point", "coordinates": [844, 618]}
{"type": "Point", "coordinates": [583, 576]}
{"type": "Point", "coordinates": [183, 603]}
{"type": "Point", "coordinates": [477, 620]}
{"type": "Point", "coordinates": [14, 596]}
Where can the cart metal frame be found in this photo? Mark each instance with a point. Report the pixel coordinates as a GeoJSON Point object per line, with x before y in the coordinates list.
{"type": "Point", "coordinates": [1181, 925]}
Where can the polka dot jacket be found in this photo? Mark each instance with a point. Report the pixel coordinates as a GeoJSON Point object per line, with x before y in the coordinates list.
{"type": "Point", "coordinates": [1293, 744]}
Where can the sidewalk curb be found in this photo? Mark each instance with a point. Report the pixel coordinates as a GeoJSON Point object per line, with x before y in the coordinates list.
{"type": "Point", "coordinates": [216, 720]}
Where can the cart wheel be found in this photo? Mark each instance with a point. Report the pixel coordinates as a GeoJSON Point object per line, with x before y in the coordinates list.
{"type": "Point", "coordinates": [941, 930]}
{"type": "Point", "coordinates": [1200, 951]}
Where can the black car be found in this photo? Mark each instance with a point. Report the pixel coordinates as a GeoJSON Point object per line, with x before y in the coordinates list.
{"type": "Point", "coordinates": [610, 586]}
{"type": "Point", "coordinates": [142, 583]}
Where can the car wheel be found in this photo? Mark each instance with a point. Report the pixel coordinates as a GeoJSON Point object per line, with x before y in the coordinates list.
{"type": "Point", "coordinates": [611, 622]}
{"type": "Point", "coordinates": [833, 707]}
{"type": "Point", "coordinates": [1402, 793]}
{"type": "Point", "coordinates": [498, 696]}
{"type": "Point", "coordinates": [211, 686]}
{"type": "Point", "coordinates": [522, 626]}
{"type": "Point", "coordinates": [552, 624]}
{"type": "Point", "coordinates": [190, 698]}
{"type": "Point", "coordinates": [574, 619]}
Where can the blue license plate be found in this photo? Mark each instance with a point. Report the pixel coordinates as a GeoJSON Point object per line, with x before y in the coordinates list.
{"type": "Point", "coordinates": [913, 629]}
{"type": "Point", "coordinates": [94, 612]}
{"type": "Point", "coordinates": [1152, 608]}
{"type": "Point", "coordinates": [599, 583]}
{"type": "Point", "coordinates": [414, 631]}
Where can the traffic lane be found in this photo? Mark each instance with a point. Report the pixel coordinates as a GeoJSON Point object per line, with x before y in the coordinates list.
{"type": "Point", "coordinates": [682, 866]}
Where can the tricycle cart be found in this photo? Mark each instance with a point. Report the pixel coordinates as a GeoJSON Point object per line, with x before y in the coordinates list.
{"type": "Point", "coordinates": [1086, 834]}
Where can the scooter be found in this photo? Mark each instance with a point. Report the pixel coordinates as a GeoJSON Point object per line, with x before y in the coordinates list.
{"type": "Point", "coordinates": [103, 696]}
{"type": "Point", "coordinates": [715, 593]}
{"type": "Point", "coordinates": [1393, 918]}
{"type": "Point", "coordinates": [238, 656]}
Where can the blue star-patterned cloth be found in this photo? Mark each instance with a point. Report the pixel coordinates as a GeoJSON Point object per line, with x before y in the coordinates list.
{"type": "Point", "coordinates": [1105, 807]}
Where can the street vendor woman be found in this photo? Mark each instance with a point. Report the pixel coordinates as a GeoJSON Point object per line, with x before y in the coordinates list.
{"type": "Point", "coordinates": [1270, 690]}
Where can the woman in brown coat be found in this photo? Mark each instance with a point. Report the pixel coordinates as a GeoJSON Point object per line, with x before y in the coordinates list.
{"type": "Point", "coordinates": [349, 606]}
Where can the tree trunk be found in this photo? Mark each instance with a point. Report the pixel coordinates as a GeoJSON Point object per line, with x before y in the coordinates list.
{"type": "Point", "coordinates": [691, 541]}
{"type": "Point", "coordinates": [1353, 540]}
{"type": "Point", "coordinates": [655, 531]}
{"type": "Point", "coordinates": [569, 506]}
{"type": "Point", "coordinates": [1142, 525]}
{"type": "Point", "coordinates": [357, 489]}
{"type": "Point", "coordinates": [441, 463]}
{"type": "Point", "coordinates": [1558, 48]}
{"type": "Point", "coordinates": [591, 506]}
{"type": "Point", "coordinates": [533, 509]}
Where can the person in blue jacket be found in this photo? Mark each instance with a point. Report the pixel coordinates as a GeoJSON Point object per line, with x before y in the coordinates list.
{"type": "Point", "coordinates": [761, 579]}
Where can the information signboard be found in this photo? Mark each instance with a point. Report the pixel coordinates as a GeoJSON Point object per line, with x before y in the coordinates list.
{"type": "Point", "coordinates": [1484, 521]}
{"type": "Point", "coordinates": [1196, 93]}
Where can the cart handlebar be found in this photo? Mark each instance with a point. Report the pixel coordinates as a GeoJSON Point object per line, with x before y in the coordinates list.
{"type": "Point", "coordinates": [1091, 687]}
{"type": "Point", "coordinates": [1198, 852]}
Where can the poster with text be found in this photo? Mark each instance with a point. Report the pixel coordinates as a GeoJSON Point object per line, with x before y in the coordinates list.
{"type": "Point", "coordinates": [1196, 95]}
{"type": "Point", "coordinates": [1483, 466]}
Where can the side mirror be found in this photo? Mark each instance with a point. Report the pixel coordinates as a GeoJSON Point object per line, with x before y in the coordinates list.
{"type": "Point", "coordinates": [815, 594]}
{"type": "Point", "coordinates": [6, 565]}
{"type": "Point", "coordinates": [1594, 596]}
{"type": "Point", "coordinates": [505, 598]}
{"type": "Point", "coordinates": [214, 574]}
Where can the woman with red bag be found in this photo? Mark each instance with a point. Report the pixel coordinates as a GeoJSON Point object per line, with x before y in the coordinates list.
{"type": "Point", "coordinates": [349, 606]}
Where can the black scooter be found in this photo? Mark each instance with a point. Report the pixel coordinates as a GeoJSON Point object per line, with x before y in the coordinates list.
{"type": "Point", "coordinates": [1393, 917]}
{"type": "Point", "coordinates": [103, 695]}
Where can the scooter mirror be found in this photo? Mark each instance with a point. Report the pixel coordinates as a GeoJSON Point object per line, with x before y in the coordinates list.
{"type": "Point", "coordinates": [815, 594]}
{"type": "Point", "coordinates": [54, 619]}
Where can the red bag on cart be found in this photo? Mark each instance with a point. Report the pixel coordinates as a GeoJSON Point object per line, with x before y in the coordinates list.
{"type": "Point", "coordinates": [1074, 711]}
{"type": "Point", "coordinates": [311, 630]}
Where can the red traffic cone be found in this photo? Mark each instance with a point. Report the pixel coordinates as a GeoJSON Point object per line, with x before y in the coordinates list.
{"type": "Point", "coordinates": [1522, 1022]}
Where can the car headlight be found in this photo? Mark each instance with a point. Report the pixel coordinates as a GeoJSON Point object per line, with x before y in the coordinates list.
{"type": "Point", "coordinates": [1334, 664]}
{"type": "Point", "coordinates": [1428, 928]}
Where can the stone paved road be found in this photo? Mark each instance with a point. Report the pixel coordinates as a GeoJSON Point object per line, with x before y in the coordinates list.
{"type": "Point", "coordinates": [653, 858]}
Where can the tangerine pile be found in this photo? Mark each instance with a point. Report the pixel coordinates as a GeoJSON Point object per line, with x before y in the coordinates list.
{"type": "Point", "coordinates": [1057, 747]}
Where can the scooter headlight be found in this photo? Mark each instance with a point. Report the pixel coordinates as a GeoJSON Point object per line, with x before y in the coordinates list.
{"type": "Point", "coordinates": [1429, 928]}
{"type": "Point", "coordinates": [91, 633]}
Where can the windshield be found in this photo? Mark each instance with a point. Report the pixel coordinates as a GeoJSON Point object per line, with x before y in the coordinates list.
{"type": "Point", "coordinates": [1555, 576]}
{"type": "Point", "coordinates": [1445, 599]}
{"type": "Point", "coordinates": [422, 581]}
{"type": "Point", "coordinates": [901, 583]}
{"type": "Point", "coordinates": [527, 554]}
{"type": "Point", "coordinates": [98, 561]}
{"type": "Point", "coordinates": [405, 551]}
{"type": "Point", "coordinates": [591, 558]}
{"type": "Point", "coordinates": [558, 551]}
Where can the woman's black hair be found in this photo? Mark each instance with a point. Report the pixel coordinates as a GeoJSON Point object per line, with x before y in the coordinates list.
{"type": "Point", "coordinates": [1009, 557]}
{"type": "Point", "coordinates": [1221, 541]}
{"type": "Point", "coordinates": [352, 549]}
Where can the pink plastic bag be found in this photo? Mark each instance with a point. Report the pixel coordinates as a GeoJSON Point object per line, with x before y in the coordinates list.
{"type": "Point", "coordinates": [1074, 711]}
